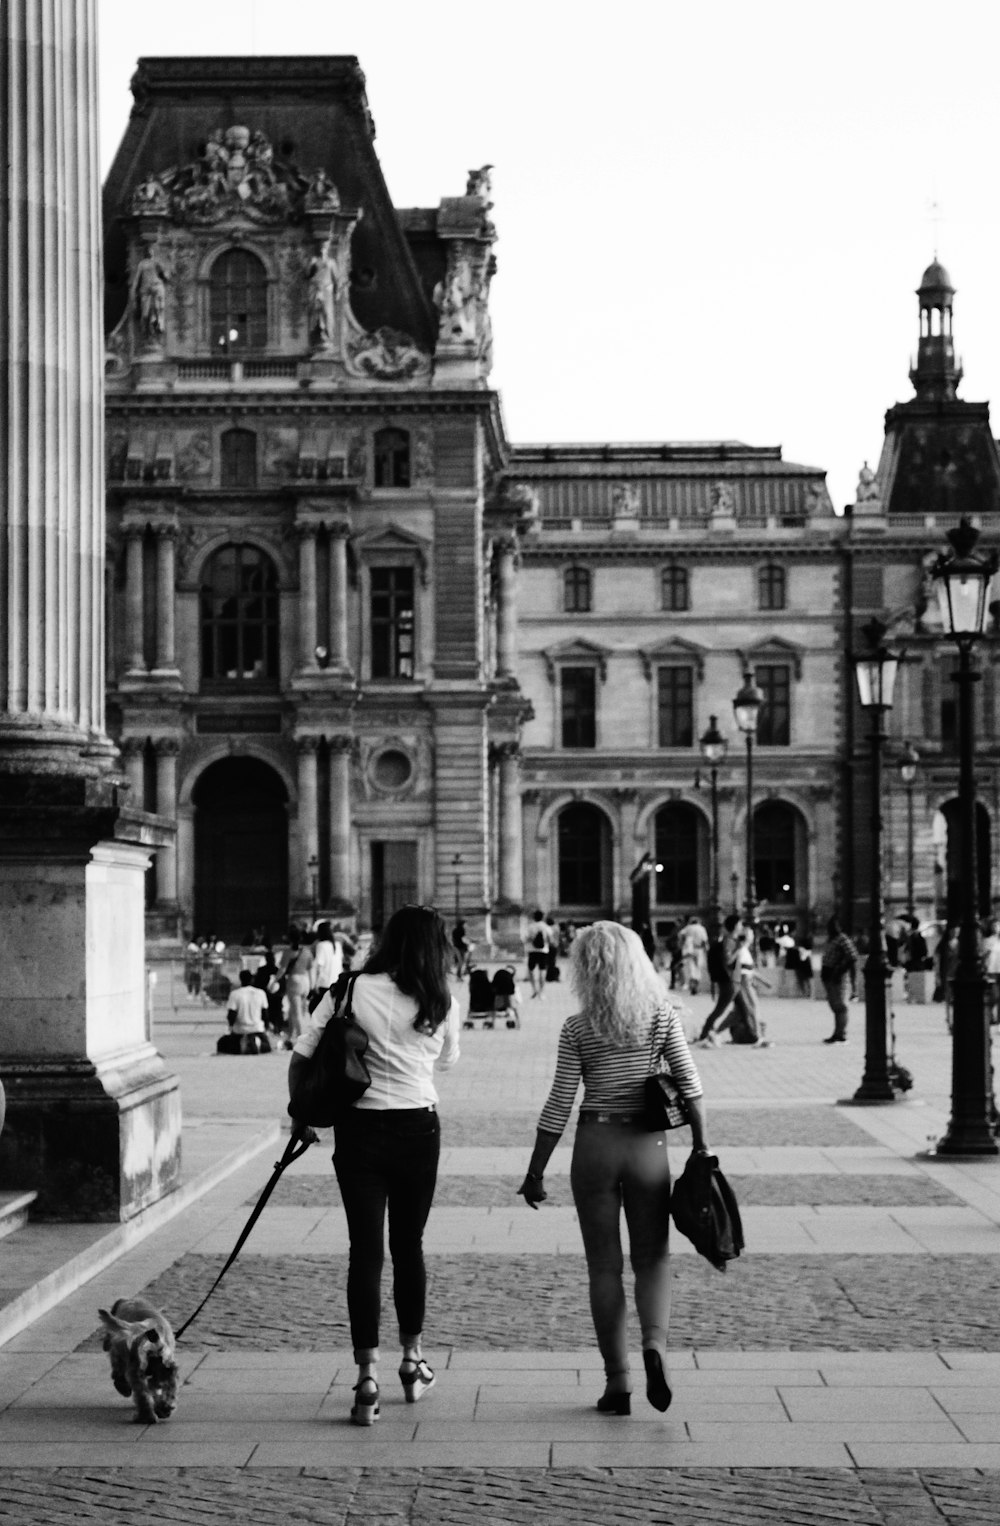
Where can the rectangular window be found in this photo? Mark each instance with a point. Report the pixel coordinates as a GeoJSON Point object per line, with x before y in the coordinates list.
{"type": "Point", "coordinates": [675, 707]}
{"type": "Point", "coordinates": [576, 590]}
{"type": "Point", "coordinates": [774, 722]}
{"type": "Point", "coordinates": [674, 591]}
{"type": "Point", "coordinates": [771, 587]}
{"type": "Point", "coordinates": [392, 622]}
{"type": "Point", "coordinates": [578, 687]}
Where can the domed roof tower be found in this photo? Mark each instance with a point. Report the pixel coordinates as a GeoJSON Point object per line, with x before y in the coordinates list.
{"type": "Point", "coordinates": [936, 373]}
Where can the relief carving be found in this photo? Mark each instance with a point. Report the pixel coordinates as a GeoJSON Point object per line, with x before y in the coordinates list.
{"type": "Point", "coordinates": [194, 456]}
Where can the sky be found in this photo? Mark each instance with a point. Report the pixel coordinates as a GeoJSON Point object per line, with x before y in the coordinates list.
{"type": "Point", "coordinates": [712, 218]}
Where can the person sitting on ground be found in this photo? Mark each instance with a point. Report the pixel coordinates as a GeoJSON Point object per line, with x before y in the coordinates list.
{"type": "Point", "coordinates": [245, 1014]}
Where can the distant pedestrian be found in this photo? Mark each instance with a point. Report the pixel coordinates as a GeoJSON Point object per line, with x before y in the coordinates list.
{"type": "Point", "coordinates": [296, 971]}
{"type": "Point", "coordinates": [721, 970]}
{"type": "Point", "coordinates": [625, 1018]}
{"type": "Point", "coordinates": [328, 959]}
{"type": "Point", "coordinates": [538, 944]}
{"type": "Point", "coordinates": [694, 947]}
{"type": "Point", "coordinates": [552, 966]}
{"type": "Point", "coordinates": [460, 943]}
{"type": "Point", "coordinates": [245, 1014]}
{"type": "Point", "coordinates": [839, 973]}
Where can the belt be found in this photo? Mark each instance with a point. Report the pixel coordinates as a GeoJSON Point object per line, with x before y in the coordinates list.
{"type": "Point", "coordinates": [622, 1118]}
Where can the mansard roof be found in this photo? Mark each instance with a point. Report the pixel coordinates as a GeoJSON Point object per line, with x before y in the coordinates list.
{"type": "Point", "coordinates": [314, 113]}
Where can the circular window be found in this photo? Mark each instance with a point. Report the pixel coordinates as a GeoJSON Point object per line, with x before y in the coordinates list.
{"type": "Point", "coordinates": [391, 769]}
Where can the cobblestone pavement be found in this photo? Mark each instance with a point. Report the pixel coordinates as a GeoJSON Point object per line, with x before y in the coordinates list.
{"type": "Point", "coordinates": [783, 1303]}
{"type": "Point", "coordinates": [772, 1191]}
{"type": "Point", "coordinates": [506, 1496]}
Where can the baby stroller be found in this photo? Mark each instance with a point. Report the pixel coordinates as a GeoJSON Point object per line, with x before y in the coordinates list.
{"type": "Point", "coordinates": [505, 997]}
{"type": "Point", "coordinates": [480, 999]}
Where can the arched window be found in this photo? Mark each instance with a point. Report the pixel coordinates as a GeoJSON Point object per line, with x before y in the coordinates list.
{"type": "Point", "coordinates": [676, 840]}
{"type": "Point", "coordinates": [674, 589]}
{"type": "Point", "coordinates": [774, 853]}
{"type": "Point", "coordinates": [576, 590]}
{"type": "Point", "coordinates": [392, 458]}
{"type": "Point", "coordinates": [237, 303]}
{"type": "Point", "coordinates": [239, 458]}
{"type": "Point", "coordinates": [239, 617]}
{"type": "Point", "coordinates": [584, 856]}
{"type": "Point", "coordinates": [771, 586]}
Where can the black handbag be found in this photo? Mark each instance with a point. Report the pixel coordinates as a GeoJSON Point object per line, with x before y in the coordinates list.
{"type": "Point", "coordinates": [337, 1074]}
{"type": "Point", "coordinates": [665, 1104]}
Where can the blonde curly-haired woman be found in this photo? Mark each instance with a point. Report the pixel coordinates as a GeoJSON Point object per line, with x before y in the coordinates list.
{"type": "Point", "coordinates": [625, 1023]}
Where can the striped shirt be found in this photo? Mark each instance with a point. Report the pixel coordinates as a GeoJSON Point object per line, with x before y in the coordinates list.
{"type": "Point", "coordinates": [613, 1079]}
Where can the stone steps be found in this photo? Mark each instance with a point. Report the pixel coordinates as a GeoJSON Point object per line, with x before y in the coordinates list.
{"type": "Point", "coordinates": [14, 1210]}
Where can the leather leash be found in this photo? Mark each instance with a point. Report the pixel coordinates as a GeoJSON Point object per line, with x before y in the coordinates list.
{"type": "Point", "coordinates": [295, 1148]}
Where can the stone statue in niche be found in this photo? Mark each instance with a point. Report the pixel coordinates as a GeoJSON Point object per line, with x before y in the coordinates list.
{"type": "Point", "coordinates": [452, 299]}
{"type": "Point", "coordinates": [194, 458]}
{"type": "Point", "coordinates": [357, 455]}
{"type": "Point", "coordinates": [149, 295]}
{"type": "Point", "coordinates": [325, 289]}
{"type": "Point", "coordinates": [480, 183]}
{"type": "Point", "coordinates": [868, 489]}
{"type": "Point", "coordinates": [423, 455]}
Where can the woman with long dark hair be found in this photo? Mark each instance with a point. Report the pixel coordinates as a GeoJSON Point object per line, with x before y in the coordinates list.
{"type": "Point", "coordinates": [388, 1143]}
{"type": "Point", "coordinates": [626, 1027]}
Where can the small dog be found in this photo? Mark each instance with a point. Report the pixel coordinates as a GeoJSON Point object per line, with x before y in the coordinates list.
{"type": "Point", "coordinates": [140, 1343]}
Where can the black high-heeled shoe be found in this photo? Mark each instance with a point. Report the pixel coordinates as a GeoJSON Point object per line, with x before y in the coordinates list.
{"type": "Point", "coordinates": [416, 1378]}
{"type": "Point", "coordinates": [615, 1403]}
{"type": "Point", "coordinates": [658, 1390]}
{"type": "Point", "coordinates": [365, 1410]}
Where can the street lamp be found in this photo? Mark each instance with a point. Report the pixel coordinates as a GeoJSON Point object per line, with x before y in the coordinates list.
{"type": "Point", "coordinates": [875, 671]}
{"type": "Point", "coordinates": [963, 578]}
{"type": "Point", "coordinates": [908, 762]}
{"type": "Point", "coordinates": [714, 747]}
{"type": "Point", "coordinates": [746, 708]}
{"type": "Point", "coordinates": [456, 864]}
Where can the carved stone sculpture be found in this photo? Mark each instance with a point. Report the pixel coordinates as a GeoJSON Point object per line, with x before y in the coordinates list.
{"type": "Point", "coordinates": [149, 295]}
{"type": "Point", "coordinates": [388, 355]}
{"type": "Point", "coordinates": [868, 489]}
{"type": "Point", "coordinates": [325, 288]}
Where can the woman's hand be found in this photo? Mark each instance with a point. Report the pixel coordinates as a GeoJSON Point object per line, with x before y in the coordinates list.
{"type": "Point", "coordinates": [532, 1189]}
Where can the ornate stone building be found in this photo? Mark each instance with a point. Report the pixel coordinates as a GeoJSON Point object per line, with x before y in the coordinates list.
{"type": "Point", "coordinates": [310, 649]}
{"type": "Point", "coordinates": [654, 577]}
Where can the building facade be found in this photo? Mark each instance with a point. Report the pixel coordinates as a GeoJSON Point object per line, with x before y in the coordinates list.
{"type": "Point", "coordinates": [306, 551]}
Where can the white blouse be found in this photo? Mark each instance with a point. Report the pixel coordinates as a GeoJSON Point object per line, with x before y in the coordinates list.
{"type": "Point", "coordinates": [400, 1059]}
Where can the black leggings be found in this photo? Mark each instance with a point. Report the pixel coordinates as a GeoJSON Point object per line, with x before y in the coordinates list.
{"type": "Point", "coordinates": [386, 1158]}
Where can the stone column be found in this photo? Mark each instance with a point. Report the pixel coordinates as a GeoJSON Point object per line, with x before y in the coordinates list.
{"type": "Point", "coordinates": [506, 557]}
{"type": "Point", "coordinates": [166, 567]}
{"type": "Point", "coordinates": [134, 600]}
{"type": "Point", "coordinates": [338, 596]}
{"type": "Point", "coordinates": [510, 829]}
{"type": "Point", "coordinates": [340, 821]}
{"type": "Point", "coordinates": [308, 813]}
{"type": "Point", "coordinates": [307, 595]}
{"type": "Point", "coordinates": [166, 749]}
{"type": "Point", "coordinates": [93, 1117]}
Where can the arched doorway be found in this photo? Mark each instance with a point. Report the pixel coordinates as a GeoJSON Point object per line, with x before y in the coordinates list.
{"type": "Point", "coordinates": [584, 859]}
{"type": "Point", "coordinates": [681, 847]}
{"type": "Point", "coordinates": [240, 850]}
{"type": "Point", "coordinates": [953, 861]}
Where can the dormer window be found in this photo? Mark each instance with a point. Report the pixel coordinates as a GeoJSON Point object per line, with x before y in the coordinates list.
{"type": "Point", "coordinates": [237, 303]}
{"type": "Point", "coordinates": [392, 458]}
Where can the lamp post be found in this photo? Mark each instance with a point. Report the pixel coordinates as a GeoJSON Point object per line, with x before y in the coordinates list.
{"type": "Point", "coordinates": [908, 762]}
{"type": "Point", "coordinates": [314, 878]}
{"type": "Point", "coordinates": [963, 578]}
{"type": "Point", "coordinates": [714, 747]}
{"type": "Point", "coordinates": [456, 864]}
{"type": "Point", "coordinates": [875, 671]}
{"type": "Point", "coordinates": [746, 708]}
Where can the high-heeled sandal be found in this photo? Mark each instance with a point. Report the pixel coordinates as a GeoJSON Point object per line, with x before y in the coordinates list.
{"type": "Point", "coordinates": [615, 1403]}
{"type": "Point", "coordinates": [658, 1390]}
{"type": "Point", "coordinates": [416, 1378]}
{"type": "Point", "coordinates": [365, 1410]}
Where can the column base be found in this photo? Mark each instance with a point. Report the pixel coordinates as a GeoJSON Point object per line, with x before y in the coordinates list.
{"type": "Point", "coordinates": [98, 1143]}
{"type": "Point", "coordinates": [972, 1139]}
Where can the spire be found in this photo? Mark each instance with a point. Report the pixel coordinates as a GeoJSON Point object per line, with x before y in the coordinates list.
{"type": "Point", "coordinates": [936, 374]}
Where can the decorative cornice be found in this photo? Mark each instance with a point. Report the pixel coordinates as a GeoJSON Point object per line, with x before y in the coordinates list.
{"type": "Point", "coordinates": [579, 651]}
{"type": "Point", "coordinates": [673, 647]}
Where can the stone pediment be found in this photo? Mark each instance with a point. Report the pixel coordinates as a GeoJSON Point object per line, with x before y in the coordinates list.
{"type": "Point", "coordinates": [774, 649]}
{"type": "Point", "coordinates": [675, 649]}
{"type": "Point", "coordinates": [580, 653]}
{"type": "Point", "coordinates": [393, 541]}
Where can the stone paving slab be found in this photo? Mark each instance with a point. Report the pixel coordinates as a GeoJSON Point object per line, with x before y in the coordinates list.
{"type": "Point", "coordinates": [823, 1125]}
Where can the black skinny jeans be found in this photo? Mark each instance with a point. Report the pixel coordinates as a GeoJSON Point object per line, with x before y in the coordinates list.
{"type": "Point", "coordinates": [386, 1159]}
